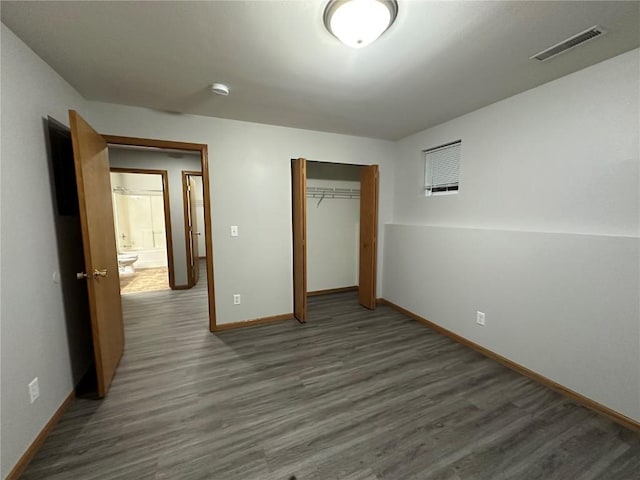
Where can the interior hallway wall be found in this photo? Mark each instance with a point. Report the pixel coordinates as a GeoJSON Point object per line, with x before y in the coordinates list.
{"type": "Point", "coordinates": [544, 235]}
{"type": "Point", "coordinates": [333, 233]}
{"type": "Point", "coordinates": [34, 334]}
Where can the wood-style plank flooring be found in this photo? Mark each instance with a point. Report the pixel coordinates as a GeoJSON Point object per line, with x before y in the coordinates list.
{"type": "Point", "coordinates": [352, 395]}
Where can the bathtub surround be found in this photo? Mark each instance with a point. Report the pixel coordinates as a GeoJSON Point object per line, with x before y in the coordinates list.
{"type": "Point", "coordinates": [151, 258]}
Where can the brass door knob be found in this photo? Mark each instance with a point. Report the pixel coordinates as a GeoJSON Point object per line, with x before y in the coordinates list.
{"type": "Point", "coordinates": [96, 274]}
{"type": "Point", "coordinates": [99, 273]}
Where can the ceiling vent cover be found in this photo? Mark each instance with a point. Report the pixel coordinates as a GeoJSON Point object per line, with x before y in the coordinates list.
{"type": "Point", "coordinates": [572, 42]}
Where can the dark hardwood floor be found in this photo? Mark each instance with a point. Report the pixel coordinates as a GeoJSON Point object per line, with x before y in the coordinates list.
{"type": "Point", "coordinates": [352, 395]}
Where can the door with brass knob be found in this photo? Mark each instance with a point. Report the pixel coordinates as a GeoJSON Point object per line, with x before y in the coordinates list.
{"type": "Point", "coordinates": [99, 244]}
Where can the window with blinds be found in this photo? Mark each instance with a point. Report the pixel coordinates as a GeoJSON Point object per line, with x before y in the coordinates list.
{"type": "Point", "coordinates": [442, 169]}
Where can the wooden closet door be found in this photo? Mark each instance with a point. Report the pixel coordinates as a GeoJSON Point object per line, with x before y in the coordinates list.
{"type": "Point", "coordinates": [368, 236]}
{"type": "Point", "coordinates": [299, 215]}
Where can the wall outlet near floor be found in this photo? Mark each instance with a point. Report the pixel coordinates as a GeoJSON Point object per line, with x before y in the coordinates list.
{"type": "Point", "coordinates": [34, 390]}
{"type": "Point", "coordinates": [236, 299]}
{"type": "Point", "coordinates": [480, 318]}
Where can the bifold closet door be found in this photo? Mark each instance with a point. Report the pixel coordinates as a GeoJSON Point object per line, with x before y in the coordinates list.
{"type": "Point", "coordinates": [99, 244]}
{"type": "Point", "coordinates": [299, 218]}
{"type": "Point", "coordinates": [368, 236]}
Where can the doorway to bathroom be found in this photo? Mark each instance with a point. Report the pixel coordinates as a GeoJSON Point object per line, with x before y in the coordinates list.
{"type": "Point", "coordinates": [142, 221]}
{"type": "Point", "coordinates": [155, 218]}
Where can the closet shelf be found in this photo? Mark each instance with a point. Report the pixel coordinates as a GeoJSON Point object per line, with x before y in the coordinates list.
{"type": "Point", "coordinates": [327, 192]}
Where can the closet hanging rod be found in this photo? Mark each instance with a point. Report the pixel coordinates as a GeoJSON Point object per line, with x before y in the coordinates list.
{"type": "Point", "coordinates": [328, 192]}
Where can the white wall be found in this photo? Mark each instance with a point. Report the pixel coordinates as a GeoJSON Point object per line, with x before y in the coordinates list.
{"type": "Point", "coordinates": [250, 178]}
{"type": "Point", "coordinates": [199, 208]}
{"type": "Point", "coordinates": [332, 238]}
{"type": "Point", "coordinates": [562, 157]}
{"type": "Point", "coordinates": [33, 329]}
{"type": "Point", "coordinates": [543, 236]}
{"type": "Point", "coordinates": [155, 160]}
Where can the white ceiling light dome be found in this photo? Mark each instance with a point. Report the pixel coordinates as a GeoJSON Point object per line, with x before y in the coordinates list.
{"type": "Point", "coordinates": [357, 23]}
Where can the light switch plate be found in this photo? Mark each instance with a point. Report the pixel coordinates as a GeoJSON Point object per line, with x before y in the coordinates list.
{"type": "Point", "coordinates": [34, 390]}
{"type": "Point", "coordinates": [234, 230]}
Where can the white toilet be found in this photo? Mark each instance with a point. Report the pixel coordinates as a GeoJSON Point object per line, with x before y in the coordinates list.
{"type": "Point", "coordinates": [125, 264]}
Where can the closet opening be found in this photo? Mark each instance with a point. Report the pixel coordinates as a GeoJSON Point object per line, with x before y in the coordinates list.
{"type": "Point", "coordinates": [334, 210]}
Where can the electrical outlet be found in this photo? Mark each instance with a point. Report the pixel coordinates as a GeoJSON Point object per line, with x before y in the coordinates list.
{"type": "Point", "coordinates": [34, 390]}
{"type": "Point", "coordinates": [234, 230]}
{"type": "Point", "coordinates": [236, 299]}
{"type": "Point", "coordinates": [480, 318]}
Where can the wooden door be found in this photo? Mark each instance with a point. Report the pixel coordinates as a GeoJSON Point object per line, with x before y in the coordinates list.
{"type": "Point", "coordinates": [99, 245]}
{"type": "Point", "coordinates": [193, 231]}
{"type": "Point", "coordinates": [368, 236]}
{"type": "Point", "coordinates": [299, 215]}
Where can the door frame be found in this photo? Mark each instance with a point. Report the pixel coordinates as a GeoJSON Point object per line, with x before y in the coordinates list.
{"type": "Point", "coordinates": [185, 175]}
{"type": "Point", "coordinates": [167, 213]}
{"type": "Point", "coordinates": [297, 286]}
{"type": "Point", "coordinates": [204, 163]}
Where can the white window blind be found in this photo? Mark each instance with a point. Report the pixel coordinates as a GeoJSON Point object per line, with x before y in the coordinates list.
{"type": "Point", "coordinates": [442, 169]}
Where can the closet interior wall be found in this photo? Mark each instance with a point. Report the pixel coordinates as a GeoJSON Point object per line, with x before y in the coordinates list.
{"type": "Point", "coordinates": [333, 225]}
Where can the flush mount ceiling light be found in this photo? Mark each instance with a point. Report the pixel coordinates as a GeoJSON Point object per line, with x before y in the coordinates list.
{"type": "Point", "coordinates": [220, 89]}
{"type": "Point", "coordinates": [357, 23]}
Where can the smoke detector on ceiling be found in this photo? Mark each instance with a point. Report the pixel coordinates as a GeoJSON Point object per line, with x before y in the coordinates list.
{"type": "Point", "coordinates": [220, 89]}
{"type": "Point", "coordinates": [571, 42]}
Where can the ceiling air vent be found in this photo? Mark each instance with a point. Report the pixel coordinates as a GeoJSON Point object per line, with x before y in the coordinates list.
{"type": "Point", "coordinates": [569, 43]}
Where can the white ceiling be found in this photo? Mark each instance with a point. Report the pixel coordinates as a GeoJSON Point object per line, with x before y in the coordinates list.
{"type": "Point", "coordinates": [438, 61]}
